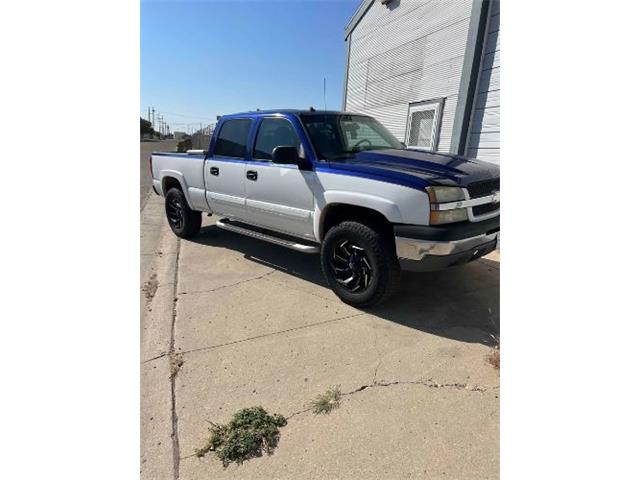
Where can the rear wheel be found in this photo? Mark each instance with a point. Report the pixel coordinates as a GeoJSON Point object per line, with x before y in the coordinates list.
{"type": "Point", "coordinates": [184, 222]}
{"type": "Point", "coordinates": [359, 264]}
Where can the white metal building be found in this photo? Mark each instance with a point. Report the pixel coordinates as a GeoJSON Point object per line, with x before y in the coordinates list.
{"type": "Point", "coordinates": [429, 70]}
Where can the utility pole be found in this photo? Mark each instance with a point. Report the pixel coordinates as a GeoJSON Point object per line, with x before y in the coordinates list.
{"type": "Point", "coordinates": [149, 114]}
{"type": "Point", "coordinates": [153, 118]}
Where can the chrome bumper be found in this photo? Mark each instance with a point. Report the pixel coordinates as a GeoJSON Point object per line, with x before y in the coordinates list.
{"type": "Point", "coordinates": [427, 255]}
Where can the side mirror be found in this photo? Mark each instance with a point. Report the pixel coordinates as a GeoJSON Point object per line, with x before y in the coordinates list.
{"type": "Point", "coordinates": [287, 156]}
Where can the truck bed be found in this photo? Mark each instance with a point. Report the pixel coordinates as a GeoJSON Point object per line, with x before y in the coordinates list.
{"type": "Point", "coordinates": [185, 167]}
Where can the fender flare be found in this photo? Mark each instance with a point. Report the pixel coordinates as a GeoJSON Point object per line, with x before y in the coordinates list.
{"type": "Point", "coordinates": [176, 175]}
{"type": "Point", "coordinates": [384, 206]}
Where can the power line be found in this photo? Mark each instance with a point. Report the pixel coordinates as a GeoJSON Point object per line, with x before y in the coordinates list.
{"type": "Point", "coordinates": [199, 117]}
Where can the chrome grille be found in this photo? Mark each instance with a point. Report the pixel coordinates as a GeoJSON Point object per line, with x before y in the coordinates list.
{"type": "Point", "coordinates": [479, 210]}
{"type": "Point", "coordinates": [483, 188]}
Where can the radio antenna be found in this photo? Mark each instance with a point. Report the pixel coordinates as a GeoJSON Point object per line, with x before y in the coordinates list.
{"type": "Point", "coordinates": [325, 92]}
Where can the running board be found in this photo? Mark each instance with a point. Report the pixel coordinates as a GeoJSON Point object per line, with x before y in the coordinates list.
{"type": "Point", "coordinates": [225, 224]}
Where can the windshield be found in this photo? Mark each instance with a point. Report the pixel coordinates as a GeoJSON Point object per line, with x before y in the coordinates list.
{"type": "Point", "coordinates": [341, 136]}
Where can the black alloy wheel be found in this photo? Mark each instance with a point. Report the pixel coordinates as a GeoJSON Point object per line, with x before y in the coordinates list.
{"type": "Point", "coordinates": [184, 222]}
{"type": "Point", "coordinates": [359, 263]}
{"type": "Point", "coordinates": [175, 213]}
{"type": "Point", "coordinates": [350, 265]}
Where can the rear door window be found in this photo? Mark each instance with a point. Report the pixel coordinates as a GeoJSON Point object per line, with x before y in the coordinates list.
{"type": "Point", "coordinates": [232, 139]}
{"type": "Point", "coordinates": [274, 132]}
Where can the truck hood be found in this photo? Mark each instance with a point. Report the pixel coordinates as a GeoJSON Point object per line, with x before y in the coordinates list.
{"type": "Point", "coordinates": [416, 168]}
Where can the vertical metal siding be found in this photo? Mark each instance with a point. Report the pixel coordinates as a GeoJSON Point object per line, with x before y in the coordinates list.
{"type": "Point", "coordinates": [484, 136]}
{"type": "Point", "coordinates": [407, 52]}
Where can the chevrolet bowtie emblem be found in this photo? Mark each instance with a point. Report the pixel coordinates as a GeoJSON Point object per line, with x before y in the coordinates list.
{"type": "Point", "coordinates": [495, 198]}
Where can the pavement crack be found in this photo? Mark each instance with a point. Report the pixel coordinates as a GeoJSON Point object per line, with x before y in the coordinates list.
{"type": "Point", "coordinates": [427, 383]}
{"type": "Point", "coordinates": [299, 412]}
{"type": "Point", "coordinates": [334, 300]}
{"type": "Point", "coordinates": [174, 414]}
{"type": "Point", "coordinates": [212, 347]}
{"type": "Point", "coordinates": [188, 456]}
{"type": "Point", "coordinates": [157, 357]}
{"type": "Point", "coordinates": [230, 285]}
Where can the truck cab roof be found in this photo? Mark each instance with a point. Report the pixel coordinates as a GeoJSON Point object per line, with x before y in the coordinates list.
{"type": "Point", "coordinates": [288, 111]}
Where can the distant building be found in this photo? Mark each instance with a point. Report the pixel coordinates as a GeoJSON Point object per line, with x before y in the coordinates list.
{"type": "Point", "coordinates": [429, 71]}
{"type": "Point", "coordinates": [179, 135]}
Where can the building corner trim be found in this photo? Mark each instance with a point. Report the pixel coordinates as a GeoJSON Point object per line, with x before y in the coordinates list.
{"type": "Point", "coordinates": [469, 79]}
{"type": "Point", "coordinates": [363, 8]}
{"type": "Point", "coordinates": [346, 74]}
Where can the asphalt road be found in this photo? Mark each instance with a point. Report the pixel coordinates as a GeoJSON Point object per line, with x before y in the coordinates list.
{"type": "Point", "coordinates": [145, 176]}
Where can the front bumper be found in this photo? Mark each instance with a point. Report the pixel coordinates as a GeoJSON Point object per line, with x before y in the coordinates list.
{"type": "Point", "coordinates": [425, 248]}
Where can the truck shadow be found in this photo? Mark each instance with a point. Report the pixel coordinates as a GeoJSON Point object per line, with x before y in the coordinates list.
{"type": "Point", "coordinates": [461, 303]}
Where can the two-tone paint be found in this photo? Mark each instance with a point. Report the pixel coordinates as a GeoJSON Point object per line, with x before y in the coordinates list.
{"type": "Point", "coordinates": [290, 200]}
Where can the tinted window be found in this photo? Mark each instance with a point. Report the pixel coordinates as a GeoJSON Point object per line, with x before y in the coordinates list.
{"type": "Point", "coordinates": [274, 132]}
{"type": "Point", "coordinates": [360, 135]}
{"type": "Point", "coordinates": [342, 136]}
{"type": "Point", "coordinates": [232, 138]}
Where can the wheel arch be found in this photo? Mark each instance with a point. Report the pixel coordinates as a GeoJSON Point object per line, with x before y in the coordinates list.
{"type": "Point", "coordinates": [337, 212]}
{"type": "Point", "coordinates": [173, 179]}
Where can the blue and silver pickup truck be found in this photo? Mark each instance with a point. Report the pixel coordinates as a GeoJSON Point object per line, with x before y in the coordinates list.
{"type": "Point", "coordinates": [340, 184]}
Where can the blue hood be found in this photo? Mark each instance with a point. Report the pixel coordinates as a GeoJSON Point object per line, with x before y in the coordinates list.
{"type": "Point", "coordinates": [416, 168]}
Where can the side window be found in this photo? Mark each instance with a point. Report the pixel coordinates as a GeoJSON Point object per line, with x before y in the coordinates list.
{"type": "Point", "coordinates": [232, 139]}
{"type": "Point", "coordinates": [274, 132]}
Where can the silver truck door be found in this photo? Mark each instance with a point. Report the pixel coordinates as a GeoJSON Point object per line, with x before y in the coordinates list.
{"type": "Point", "coordinates": [278, 197]}
{"type": "Point", "coordinates": [224, 169]}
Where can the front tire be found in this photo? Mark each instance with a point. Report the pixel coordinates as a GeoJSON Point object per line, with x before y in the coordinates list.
{"type": "Point", "coordinates": [184, 222]}
{"type": "Point", "coordinates": [359, 263]}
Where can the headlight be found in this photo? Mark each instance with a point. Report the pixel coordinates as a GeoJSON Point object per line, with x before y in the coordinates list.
{"type": "Point", "coordinates": [439, 195]}
{"type": "Point", "coordinates": [438, 217]}
{"type": "Point", "coordinates": [445, 194]}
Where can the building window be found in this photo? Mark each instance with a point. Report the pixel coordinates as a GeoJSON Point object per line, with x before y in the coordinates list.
{"type": "Point", "coordinates": [423, 124]}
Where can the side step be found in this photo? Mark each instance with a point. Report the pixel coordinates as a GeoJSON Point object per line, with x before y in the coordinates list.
{"type": "Point", "coordinates": [226, 224]}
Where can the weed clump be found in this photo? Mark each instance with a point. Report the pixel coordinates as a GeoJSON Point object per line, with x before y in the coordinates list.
{"type": "Point", "coordinates": [327, 401]}
{"type": "Point", "coordinates": [250, 433]}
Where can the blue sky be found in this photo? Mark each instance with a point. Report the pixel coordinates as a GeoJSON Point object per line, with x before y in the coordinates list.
{"type": "Point", "coordinates": [207, 58]}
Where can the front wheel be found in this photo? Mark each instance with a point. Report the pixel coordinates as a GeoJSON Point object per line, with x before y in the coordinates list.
{"type": "Point", "coordinates": [184, 222]}
{"type": "Point", "coordinates": [359, 264]}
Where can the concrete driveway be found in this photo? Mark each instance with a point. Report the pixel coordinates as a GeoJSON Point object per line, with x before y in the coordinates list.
{"type": "Point", "coordinates": [230, 322]}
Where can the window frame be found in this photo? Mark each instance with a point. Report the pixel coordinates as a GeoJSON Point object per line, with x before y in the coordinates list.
{"type": "Point", "coordinates": [246, 144]}
{"type": "Point", "coordinates": [437, 106]}
{"type": "Point", "coordinates": [255, 137]}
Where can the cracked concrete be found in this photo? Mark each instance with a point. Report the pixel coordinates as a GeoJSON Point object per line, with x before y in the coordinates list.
{"type": "Point", "coordinates": [255, 324]}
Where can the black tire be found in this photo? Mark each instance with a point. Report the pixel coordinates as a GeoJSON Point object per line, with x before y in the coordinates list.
{"type": "Point", "coordinates": [184, 222]}
{"type": "Point", "coordinates": [377, 257]}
